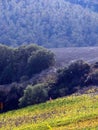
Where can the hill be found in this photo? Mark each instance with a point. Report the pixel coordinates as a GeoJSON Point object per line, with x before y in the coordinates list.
{"type": "Point", "coordinates": [67, 55]}
{"type": "Point", "coordinates": [49, 23]}
{"type": "Point", "coordinates": [91, 4]}
{"type": "Point", "coordinates": [74, 112]}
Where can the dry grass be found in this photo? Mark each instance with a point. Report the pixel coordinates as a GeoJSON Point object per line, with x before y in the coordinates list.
{"type": "Point", "coordinates": [69, 113]}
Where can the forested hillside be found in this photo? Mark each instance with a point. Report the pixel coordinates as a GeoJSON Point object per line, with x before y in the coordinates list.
{"type": "Point", "coordinates": [50, 23]}
{"type": "Point", "coordinates": [91, 4]}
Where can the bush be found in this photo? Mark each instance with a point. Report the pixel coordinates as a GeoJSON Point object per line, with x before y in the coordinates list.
{"type": "Point", "coordinates": [95, 65]}
{"type": "Point", "coordinates": [34, 95]}
{"type": "Point", "coordinates": [92, 78]}
{"type": "Point", "coordinates": [40, 60]}
{"type": "Point", "coordinates": [15, 92]}
{"type": "Point", "coordinates": [69, 78]}
{"type": "Point", "coordinates": [74, 74]}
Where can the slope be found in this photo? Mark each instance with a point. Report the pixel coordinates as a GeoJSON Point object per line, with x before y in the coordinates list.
{"type": "Point", "coordinates": [69, 113]}
{"type": "Point", "coordinates": [68, 55]}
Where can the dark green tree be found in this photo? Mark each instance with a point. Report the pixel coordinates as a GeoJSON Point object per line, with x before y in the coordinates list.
{"type": "Point", "coordinates": [33, 95]}
{"type": "Point", "coordinates": [40, 60]}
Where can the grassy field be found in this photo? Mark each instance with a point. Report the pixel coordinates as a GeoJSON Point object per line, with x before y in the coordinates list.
{"type": "Point", "coordinates": [69, 113]}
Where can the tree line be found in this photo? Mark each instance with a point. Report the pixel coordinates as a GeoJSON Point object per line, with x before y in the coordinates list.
{"type": "Point", "coordinates": [65, 81]}
{"type": "Point", "coordinates": [23, 62]}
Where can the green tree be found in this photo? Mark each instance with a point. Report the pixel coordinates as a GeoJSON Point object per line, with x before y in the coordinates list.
{"type": "Point", "coordinates": [70, 78]}
{"type": "Point", "coordinates": [40, 60]}
{"type": "Point", "coordinates": [33, 95]}
{"type": "Point", "coordinates": [23, 61]}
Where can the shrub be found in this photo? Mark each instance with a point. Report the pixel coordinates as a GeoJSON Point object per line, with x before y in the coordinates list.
{"type": "Point", "coordinates": [34, 95]}
{"type": "Point", "coordinates": [69, 78]}
{"type": "Point", "coordinates": [40, 60]}
{"type": "Point", "coordinates": [92, 78]}
{"type": "Point", "coordinates": [15, 92]}
{"type": "Point", "coordinates": [74, 74]}
{"type": "Point", "coordinates": [95, 65]}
